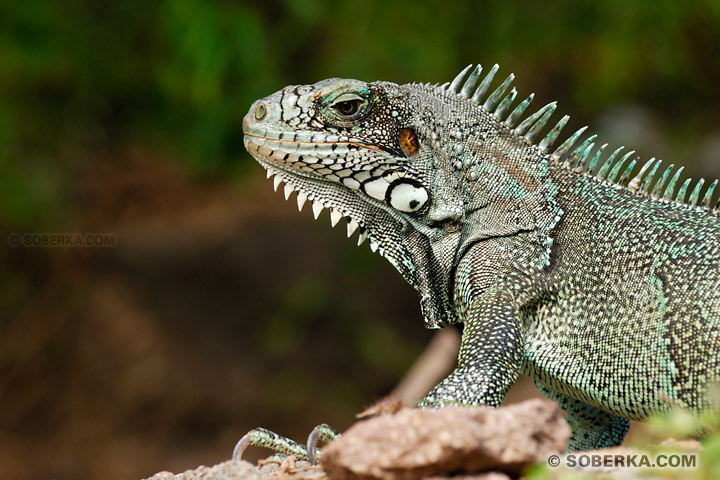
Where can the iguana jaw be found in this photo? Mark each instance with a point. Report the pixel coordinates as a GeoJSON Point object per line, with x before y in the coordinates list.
{"type": "Point", "coordinates": [296, 164]}
{"type": "Point", "coordinates": [300, 161]}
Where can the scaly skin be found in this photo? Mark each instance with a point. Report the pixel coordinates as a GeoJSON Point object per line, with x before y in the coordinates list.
{"type": "Point", "coordinates": [606, 293]}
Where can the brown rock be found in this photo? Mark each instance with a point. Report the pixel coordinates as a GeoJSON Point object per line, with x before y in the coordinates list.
{"type": "Point", "coordinates": [230, 470]}
{"type": "Point", "coordinates": [477, 476]}
{"type": "Point", "coordinates": [163, 476]}
{"type": "Point", "coordinates": [414, 444]}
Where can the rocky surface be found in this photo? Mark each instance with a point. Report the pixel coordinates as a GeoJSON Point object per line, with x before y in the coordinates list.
{"type": "Point", "coordinates": [459, 442]}
{"type": "Point", "coordinates": [414, 444]}
{"type": "Point", "coordinates": [230, 470]}
{"type": "Point", "coordinates": [240, 469]}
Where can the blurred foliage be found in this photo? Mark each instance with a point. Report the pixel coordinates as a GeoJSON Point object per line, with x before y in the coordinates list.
{"type": "Point", "coordinates": [81, 77]}
{"type": "Point", "coordinates": [681, 425]}
{"type": "Point", "coordinates": [668, 434]}
{"type": "Point", "coordinates": [285, 333]}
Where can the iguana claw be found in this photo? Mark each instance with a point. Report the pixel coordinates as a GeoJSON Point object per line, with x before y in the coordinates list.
{"type": "Point", "coordinates": [324, 433]}
{"type": "Point", "coordinates": [261, 437]}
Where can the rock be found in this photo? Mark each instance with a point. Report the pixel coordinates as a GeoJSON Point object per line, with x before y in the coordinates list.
{"type": "Point", "coordinates": [163, 476]}
{"type": "Point", "coordinates": [270, 468]}
{"type": "Point", "coordinates": [230, 470]}
{"type": "Point", "coordinates": [415, 444]}
{"type": "Point", "coordinates": [477, 476]}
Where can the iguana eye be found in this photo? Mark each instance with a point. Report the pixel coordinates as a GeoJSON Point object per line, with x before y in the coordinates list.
{"type": "Point", "coordinates": [348, 108]}
{"type": "Point", "coordinates": [348, 105]}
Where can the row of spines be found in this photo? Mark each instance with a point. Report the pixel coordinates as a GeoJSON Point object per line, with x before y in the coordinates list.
{"type": "Point", "coordinates": [498, 103]}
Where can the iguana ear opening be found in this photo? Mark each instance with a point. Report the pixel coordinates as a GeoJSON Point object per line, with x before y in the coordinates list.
{"type": "Point", "coordinates": [408, 141]}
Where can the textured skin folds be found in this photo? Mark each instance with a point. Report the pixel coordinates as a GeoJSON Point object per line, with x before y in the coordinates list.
{"type": "Point", "coordinates": [607, 296]}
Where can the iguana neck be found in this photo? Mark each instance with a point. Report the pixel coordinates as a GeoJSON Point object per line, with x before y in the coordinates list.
{"type": "Point", "coordinates": [508, 187]}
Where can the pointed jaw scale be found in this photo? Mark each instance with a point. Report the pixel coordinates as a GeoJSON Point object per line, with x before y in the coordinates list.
{"type": "Point", "coordinates": [320, 166]}
{"type": "Point", "coordinates": [355, 216]}
{"type": "Point", "coordinates": [301, 166]}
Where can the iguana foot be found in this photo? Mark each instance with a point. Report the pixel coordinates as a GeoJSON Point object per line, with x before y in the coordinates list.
{"type": "Point", "coordinates": [261, 437]}
{"type": "Point", "coordinates": [321, 433]}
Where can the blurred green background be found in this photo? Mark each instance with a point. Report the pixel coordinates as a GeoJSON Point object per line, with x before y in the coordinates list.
{"type": "Point", "coordinates": [221, 308]}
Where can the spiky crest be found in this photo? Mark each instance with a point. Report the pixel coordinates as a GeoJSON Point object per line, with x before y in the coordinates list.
{"type": "Point", "coordinates": [497, 103]}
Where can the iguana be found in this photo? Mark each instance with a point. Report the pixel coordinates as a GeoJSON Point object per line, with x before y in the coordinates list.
{"type": "Point", "coordinates": [600, 285]}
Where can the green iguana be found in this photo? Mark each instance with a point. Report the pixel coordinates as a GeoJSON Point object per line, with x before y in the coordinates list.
{"type": "Point", "coordinates": [600, 285]}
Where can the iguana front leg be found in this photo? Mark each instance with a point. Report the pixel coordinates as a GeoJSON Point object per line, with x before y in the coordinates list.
{"type": "Point", "coordinates": [490, 354]}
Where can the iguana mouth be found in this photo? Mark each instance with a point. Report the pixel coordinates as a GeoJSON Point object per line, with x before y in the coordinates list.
{"type": "Point", "coordinates": [300, 160]}
{"type": "Point", "coordinates": [296, 161]}
{"type": "Point", "coordinates": [299, 139]}
{"type": "Point", "coordinates": [279, 177]}
{"type": "Point", "coordinates": [288, 143]}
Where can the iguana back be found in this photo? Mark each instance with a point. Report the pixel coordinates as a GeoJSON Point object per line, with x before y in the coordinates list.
{"type": "Point", "coordinates": [632, 319]}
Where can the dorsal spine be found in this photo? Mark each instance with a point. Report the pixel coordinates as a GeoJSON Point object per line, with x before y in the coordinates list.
{"type": "Point", "coordinates": [497, 103]}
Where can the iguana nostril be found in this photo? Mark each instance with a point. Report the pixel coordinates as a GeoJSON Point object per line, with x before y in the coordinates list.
{"type": "Point", "coordinates": [261, 112]}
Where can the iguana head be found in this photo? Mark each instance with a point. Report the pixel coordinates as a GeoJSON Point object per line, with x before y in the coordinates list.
{"type": "Point", "coordinates": [413, 168]}
{"type": "Point", "coordinates": [364, 151]}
